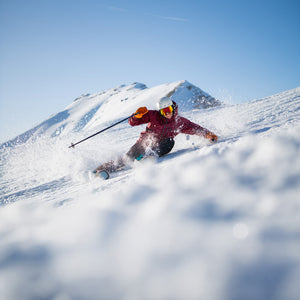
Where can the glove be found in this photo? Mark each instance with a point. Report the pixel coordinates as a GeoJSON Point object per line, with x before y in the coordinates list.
{"type": "Point", "coordinates": [140, 112]}
{"type": "Point", "coordinates": [212, 137]}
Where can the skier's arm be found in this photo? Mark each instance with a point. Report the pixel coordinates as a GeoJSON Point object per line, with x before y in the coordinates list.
{"type": "Point", "coordinates": [191, 128]}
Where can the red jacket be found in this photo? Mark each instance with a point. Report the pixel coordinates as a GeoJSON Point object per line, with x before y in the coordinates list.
{"type": "Point", "coordinates": [160, 128]}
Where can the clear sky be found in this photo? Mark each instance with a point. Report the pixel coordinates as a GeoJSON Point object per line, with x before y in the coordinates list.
{"type": "Point", "coordinates": [52, 51]}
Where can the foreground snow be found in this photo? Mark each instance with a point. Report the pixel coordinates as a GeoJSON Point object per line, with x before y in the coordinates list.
{"type": "Point", "coordinates": [205, 222]}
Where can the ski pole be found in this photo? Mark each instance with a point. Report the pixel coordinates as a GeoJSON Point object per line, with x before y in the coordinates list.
{"type": "Point", "coordinates": [73, 145]}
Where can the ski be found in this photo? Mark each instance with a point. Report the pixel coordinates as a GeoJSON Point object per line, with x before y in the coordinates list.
{"type": "Point", "coordinates": [102, 174]}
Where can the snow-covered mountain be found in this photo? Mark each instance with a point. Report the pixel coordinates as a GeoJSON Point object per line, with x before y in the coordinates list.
{"type": "Point", "coordinates": [205, 222]}
{"type": "Point", "coordinates": [91, 111]}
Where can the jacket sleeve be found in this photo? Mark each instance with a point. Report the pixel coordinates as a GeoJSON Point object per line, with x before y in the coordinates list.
{"type": "Point", "coordinates": [133, 121]}
{"type": "Point", "coordinates": [191, 128]}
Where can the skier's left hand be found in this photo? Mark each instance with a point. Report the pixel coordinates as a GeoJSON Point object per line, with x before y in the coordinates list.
{"type": "Point", "coordinates": [212, 137]}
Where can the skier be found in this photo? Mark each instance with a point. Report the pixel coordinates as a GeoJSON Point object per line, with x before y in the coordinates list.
{"type": "Point", "coordinates": [163, 125]}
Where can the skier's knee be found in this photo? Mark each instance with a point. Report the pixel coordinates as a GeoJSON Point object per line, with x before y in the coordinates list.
{"type": "Point", "coordinates": [165, 146]}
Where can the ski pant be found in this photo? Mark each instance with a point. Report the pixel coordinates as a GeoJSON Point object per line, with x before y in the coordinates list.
{"type": "Point", "coordinates": [159, 148]}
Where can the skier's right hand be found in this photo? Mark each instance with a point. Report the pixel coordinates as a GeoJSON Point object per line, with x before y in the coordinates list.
{"type": "Point", "coordinates": [140, 112]}
{"type": "Point", "coordinates": [212, 137]}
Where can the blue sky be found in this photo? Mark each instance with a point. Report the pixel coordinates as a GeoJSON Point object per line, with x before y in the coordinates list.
{"type": "Point", "coordinates": [52, 51]}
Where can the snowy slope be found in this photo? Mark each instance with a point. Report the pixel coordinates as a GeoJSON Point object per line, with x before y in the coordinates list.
{"type": "Point", "coordinates": [205, 222]}
{"type": "Point", "coordinates": [93, 111]}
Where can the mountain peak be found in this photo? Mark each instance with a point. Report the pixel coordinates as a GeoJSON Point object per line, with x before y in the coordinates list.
{"type": "Point", "coordinates": [191, 97]}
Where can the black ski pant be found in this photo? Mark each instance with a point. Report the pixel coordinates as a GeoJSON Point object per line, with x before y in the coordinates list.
{"type": "Point", "coordinates": [160, 148]}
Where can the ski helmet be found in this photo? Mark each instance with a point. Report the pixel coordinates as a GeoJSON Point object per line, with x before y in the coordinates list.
{"type": "Point", "coordinates": [164, 102]}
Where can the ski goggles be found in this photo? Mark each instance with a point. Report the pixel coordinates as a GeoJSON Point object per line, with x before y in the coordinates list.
{"type": "Point", "coordinates": [166, 110]}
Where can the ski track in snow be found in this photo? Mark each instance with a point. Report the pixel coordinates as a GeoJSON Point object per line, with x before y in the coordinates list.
{"type": "Point", "coordinates": [205, 222]}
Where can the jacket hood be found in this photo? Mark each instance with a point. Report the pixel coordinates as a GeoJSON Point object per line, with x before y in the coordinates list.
{"type": "Point", "coordinates": [175, 106]}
